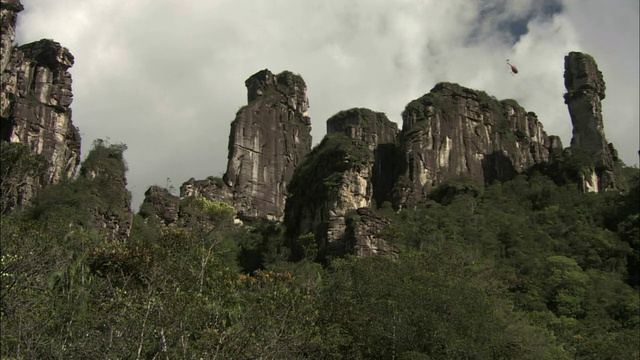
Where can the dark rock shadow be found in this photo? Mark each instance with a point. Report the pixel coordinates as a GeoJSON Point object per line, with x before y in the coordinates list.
{"type": "Point", "coordinates": [497, 166]}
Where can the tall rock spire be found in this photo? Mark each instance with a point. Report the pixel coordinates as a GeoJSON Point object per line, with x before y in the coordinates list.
{"type": "Point", "coordinates": [269, 137]}
{"type": "Point", "coordinates": [35, 100]}
{"type": "Point", "coordinates": [585, 92]}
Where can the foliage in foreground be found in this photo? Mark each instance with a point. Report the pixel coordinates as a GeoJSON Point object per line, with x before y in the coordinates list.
{"type": "Point", "coordinates": [520, 270]}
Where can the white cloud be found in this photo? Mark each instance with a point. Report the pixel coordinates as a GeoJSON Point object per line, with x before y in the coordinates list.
{"type": "Point", "coordinates": [167, 77]}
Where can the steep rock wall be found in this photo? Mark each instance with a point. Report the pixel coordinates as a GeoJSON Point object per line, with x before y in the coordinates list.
{"type": "Point", "coordinates": [269, 137]}
{"type": "Point", "coordinates": [337, 178]}
{"type": "Point", "coordinates": [9, 10]}
{"type": "Point", "coordinates": [160, 207]}
{"type": "Point", "coordinates": [585, 92]}
{"type": "Point", "coordinates": [454, 131]}
{"type": "Point", "coordinates": [374, 130]}
{"type": "Point", "coordinates": [35, 99]}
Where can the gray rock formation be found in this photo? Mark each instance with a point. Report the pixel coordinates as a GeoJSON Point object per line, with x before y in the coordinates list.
{"type": "Point", "coordinates": [454, 131]}
{"type": "Point", "coordinates": [269, 138]}
{"type": "Point", "coordinates": [211, 188]}
{"type": "Point", "coordinates": [555, 143]}
{"type": "Point", "coordinates": [160, 206]}
{"type": "Point", "coordinates": [9, 10]}
{"type": "Point", "coordinates": [163, 209]}
{"type": "Point", "coordinates": [35, 99]}
{"type": "Point", "coordinates": [585, 92]}
{"type": "Point", "coordinates": [364, 231]}
{"type": "Point", "coordinates": [339, 177]}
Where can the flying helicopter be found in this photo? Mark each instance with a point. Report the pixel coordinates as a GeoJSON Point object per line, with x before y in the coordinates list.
{"type": "Point", "coordinates": [514, 69]}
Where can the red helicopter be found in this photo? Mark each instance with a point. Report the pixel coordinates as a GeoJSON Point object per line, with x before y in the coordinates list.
{"type": "Point", "coordinates": [514, 70]}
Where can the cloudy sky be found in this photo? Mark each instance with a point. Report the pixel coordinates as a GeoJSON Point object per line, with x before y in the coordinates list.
{"type": "Point", "coordinates": [166, 77]}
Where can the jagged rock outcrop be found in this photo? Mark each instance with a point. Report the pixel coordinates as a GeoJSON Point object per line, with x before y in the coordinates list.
{"type": "Point", "coordinates": [585, 92]}
{"type": "Point", "coordinates": [455, 131]}
{"type": "Point", "coordinates": [338, 178]}
{"type": "Point", "coordinates": [165, 209]}
{"type": "Point", "coordinates": [555, 143]}
{"type": "Point", "coordinates": [35, 99]}
{"type": "Point", "coordinates": [192, 209]}
{"type": "Point", "coordinates": [269, 138]}
{"type": "Point", "coordinates": [160, 206]}
{"type": "Point", "coordinates": [104, 171]}
{"type": "Point", "coordinates": [380, 135]}
{"type": "Point", "coordinates": [211, 188]}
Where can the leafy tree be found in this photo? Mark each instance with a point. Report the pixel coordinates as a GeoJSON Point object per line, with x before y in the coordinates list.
{"type": "Point", "coordinates": [524, 269]}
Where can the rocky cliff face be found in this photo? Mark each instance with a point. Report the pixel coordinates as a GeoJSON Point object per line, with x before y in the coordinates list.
{"type": "Point", "coordinates": [454, 131]}
{"type": "Point", "coordinates": [337, 178]}
{"type": "Point", "coordinates": [9, 10]}
{"type": "Point", "coordinates": [449, 132]}
{"type": "Point", "coordinates": [211, 188]}
{"type": "Point", "coordinates": [379, 135]}
{"type": "Point", "coordinates": [199, 207]}
{"type": "Point", "coordinates": [160, 206]}
{"type": "Point", "coordinates": [365, 233]}
{"type": "Point", "coordinates": [164, 209]}
{"type": "Point", "coordinates": [35, 99]}
{"type": "Point", "coordinates": [363, 161]}
{"type": "Point", "coordinates": [585, 92]}
{"type": "Point", "coordinates": [269, 138]}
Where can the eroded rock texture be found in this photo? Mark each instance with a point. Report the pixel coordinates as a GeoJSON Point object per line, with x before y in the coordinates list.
{"type": "Point", "coordinates": [9, 10]}
{"type": "Point", "coordinates": [455, 131]}
{"type": "Point", "coordinates": [163, 209]}
{"type": "Point", "coordinates": [365, 231]}
{"type": "Point", "coordinates": [585, 92]}
{"type": "Point", "coordinates": [160, 206]}
{"type": "Point", "coordinates": [35, 99]}
{"type": "Point", "coordinates": [269, 138]}
{"type": "Point", "coordinates": [211, 188]}
{"type": "Point", "coordinates": [338, 177]}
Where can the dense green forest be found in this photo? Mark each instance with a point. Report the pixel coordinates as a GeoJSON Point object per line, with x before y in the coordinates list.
{"type": "Point", "coordinates": [526, 269]}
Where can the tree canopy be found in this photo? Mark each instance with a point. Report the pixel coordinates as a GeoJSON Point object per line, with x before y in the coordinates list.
{"type": "Point", "coordinates": [525, 269]}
